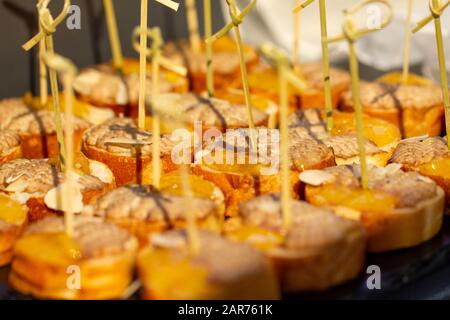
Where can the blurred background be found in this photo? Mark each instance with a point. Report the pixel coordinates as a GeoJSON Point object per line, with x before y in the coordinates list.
{"type": "Point", "coordinates": [86, 46]}
{"type": "Point", "coordinates": [271, 20]}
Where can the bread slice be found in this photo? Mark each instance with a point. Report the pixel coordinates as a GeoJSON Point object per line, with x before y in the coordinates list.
{"type": "Point", "coordinates": [225, 60]}
{"type": "Point", "coordinates": [13, 219]}
{"type": "Point", "coordinates": [210, 113]}
{"type": "Point", "coordinates": [318, 251]}
{"type": "Point", "coordinates": [399, 210]}
{"type": "Point", "coordinates": [428, 156]}
{"type": "Point", "coordinates": [10, 146]}
{"type": "Point", "coordinates": [243, 181]}
{"type": "Point", "coordinates": [30, 181]}
{"type": "Point", "coordinates": [125, 149]}
{"type": "Point", "coordinates": [143, 211]}
{"type": "Point", "coordinates": [36, 128]}
{"type": "Point", "coordinates": [47, 262]}
{"type": "Point", "coordinates": [416, 110]}
{"type": "Point", "coordinates": [220, 270]}
{"type": "Point", "coordinates": [102, 86]}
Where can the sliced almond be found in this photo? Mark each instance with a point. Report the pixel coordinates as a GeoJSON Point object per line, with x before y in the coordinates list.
{"type": "Point", "coordinates": [17, 186]}
{"type": "Point", "coordinates": [316, 177]}
{"type": "Point", "coordinates": [72, 202]}
{"type": "Point", "coordinates": [127, 141]}
{"type": "Point", "coordinates": [101, 171]}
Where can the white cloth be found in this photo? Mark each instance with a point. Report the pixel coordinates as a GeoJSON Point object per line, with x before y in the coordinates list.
{"type": "Point", "coordinates": [272, 20]}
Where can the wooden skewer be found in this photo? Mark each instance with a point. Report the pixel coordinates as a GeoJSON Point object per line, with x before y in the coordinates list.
{"type": "Point", "coordinates": [192, 19]}
{"type": "Point", "coordinates": [157, 60]}
{"type": "Point", "coordinates": [68, 72]}
{"type": "Point", "coordinates": [192, 230]}
{"type": "Point", "coordinates": [236, 19]}
{"type": "Point", "coordinates": [178, 120]}
{"type": "Point", "coordinates": [437, 8]}
{"type": "Point", "coordinates": [287, 77]}
{"type": "Point", "coordinates": [143, 64]}
{"type": "Point", "coordinates": [156, 123]}
{"type": "Point", "coordinates": [43, 85]}
{"type": "Point", "coordinates": [351, 34]}
{"type": "Point", "coordinates": [296, 42]}
{"type": "Point", "coordinates": [46, 30]}
{"type": "Point", "coordinates": [143, 55]}
{"type": "Point", "coordinates": [113, 33]}
{"type": "Point", "coordinates": [325, 58]}
{"type": "Point", "coordinates": [209, 49]}
{"type": "Point", "coordinates": [407, 48]}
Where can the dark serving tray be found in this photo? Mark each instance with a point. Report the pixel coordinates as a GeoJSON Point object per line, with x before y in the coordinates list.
{"type": "Point", "coordinates": [422, 272]}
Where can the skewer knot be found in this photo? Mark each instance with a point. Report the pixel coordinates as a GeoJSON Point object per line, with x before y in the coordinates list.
{"type": "Point", "coordinates": [436, 8]}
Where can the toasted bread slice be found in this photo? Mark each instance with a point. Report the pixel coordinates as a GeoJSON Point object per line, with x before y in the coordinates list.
{"type": "Point", "coordinates": [264, 80]}
{"type": "Point", "coordinates": [225, 61]}
{"type": "Point", "coordinates": [428, 156]}
{"type": "Point", "coordinates": [314, 97]}
{"type": "Point", "coordinates": [30, 181]}
{"type": "Point", "coordinates": [142, 211]}
{"type": "Point", "coordinates": [318, 251]}
{"type": "Point", "coordinates": [210, 113]}
{"type": "Point", "coordinates": [36, 128]}
{"type": "Point", "coordinates": [13, 219]}
{"type": "Point", "coordinates": [399, 209]}
{"type": "Point", "coordinates": [10, 146]}
{"type": "Point", "coordinates": [381, 137]}
{"type": "Point", "coordinates": [104, 87]}
{"type": "Point", "coordinates": [416, 110]}
{"type": "Point", "coordinates": [125, 149]}
{"type": "Point", "coordinates": [245, 178]}
{"type": "Point", "coordinates": [96, 263]}
{"type": "Point", "coordinates": [220, 270]}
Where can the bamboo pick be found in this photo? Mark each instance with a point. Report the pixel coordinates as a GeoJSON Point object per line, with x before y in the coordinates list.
{"type": "Point", "coordinates": [55, 94]}
{"type": "Point", "coordinates": [286, 76]}
{"type": "Point", "coordinates": [68, 72]}
{"type": "Point", "coordinates": [143, 63]}
{"type": "Point", "coordinates": [209, 49]}
{"type": "Point", "coordinates": [113, 33]}
{"type": "Point", "coordinates": [192, 230]}
{"type": "Point", "coordinates": [157, 61]}
{"type": "Point", "coordinates": [284, 148]}
{"type": "Point", "coordinates": [143, 56]}
{"type": "Point", "coordinates": [43, 85]}
{"type": "Point", "coordinates": [407, 48]}
{"type": "Point", "coordinates": [192, 19]}
{"type": "Point", "coordinates": [351, 33]}
{"type": "Point", "coordinates": [236, 19]}
{"type": "Point", "coordinates": [325, 58]}
{"type": "Point", "coordinates": [48, 27]}
{"type": "Point", "coordinates": [296, 42]}
{"type": "Point", "coordinates": [437, 8]}
{"type": "Point", "coordinates": [354, 70]}
{"type": "Point", "coordinates": [156, 123]}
